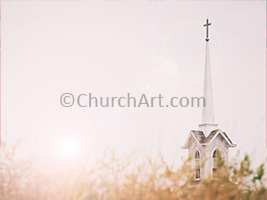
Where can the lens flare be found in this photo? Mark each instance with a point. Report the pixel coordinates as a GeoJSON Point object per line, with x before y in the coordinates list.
{"type": "Point", "coordinates": [68, 148]}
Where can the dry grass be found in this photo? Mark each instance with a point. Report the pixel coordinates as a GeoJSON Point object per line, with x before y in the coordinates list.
{"type": "Point", "coordinates": [114, 178]}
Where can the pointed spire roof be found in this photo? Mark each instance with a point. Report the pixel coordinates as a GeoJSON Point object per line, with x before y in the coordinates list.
{"type": "Point", "coordinates": [208, 119]}
{"type": "Point", "coordinates": [208, 110]}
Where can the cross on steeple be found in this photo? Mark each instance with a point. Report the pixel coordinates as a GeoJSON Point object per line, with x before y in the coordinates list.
{"type": "Point", "coordinates": [207, 29]}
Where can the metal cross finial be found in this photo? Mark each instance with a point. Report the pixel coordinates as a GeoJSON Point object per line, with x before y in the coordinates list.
{"type": "Point", "coordinates": [207, 29]}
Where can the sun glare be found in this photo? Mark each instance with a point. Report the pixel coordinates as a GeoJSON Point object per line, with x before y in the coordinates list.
{"type": "Point", "coordinates": [68, 148]}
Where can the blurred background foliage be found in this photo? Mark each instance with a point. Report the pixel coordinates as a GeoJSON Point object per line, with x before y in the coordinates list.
{"type": "Point", "coordinates": [124, 178]}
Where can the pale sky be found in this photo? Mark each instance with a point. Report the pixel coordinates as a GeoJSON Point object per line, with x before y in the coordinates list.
{"type": "Point", "coordinates": [111, 48]}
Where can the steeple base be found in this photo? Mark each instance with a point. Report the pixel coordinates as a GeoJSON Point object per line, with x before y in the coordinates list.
{"type": "Point", "coordinates": [207, 128]}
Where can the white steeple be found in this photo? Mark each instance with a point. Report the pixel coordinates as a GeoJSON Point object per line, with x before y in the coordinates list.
{"type": "Point", "coordinates": [208, 120]}
{"type": "Point", "coordinates": [203, 144]}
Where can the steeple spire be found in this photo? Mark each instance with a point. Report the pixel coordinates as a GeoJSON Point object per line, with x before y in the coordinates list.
{"type": "Point", "coordinates": [208, 139]}
{"type": "Point", "coordinates": [208, 120]}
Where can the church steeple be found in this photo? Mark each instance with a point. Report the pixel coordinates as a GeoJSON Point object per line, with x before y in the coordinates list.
{"type": "Point", "coordinates": [208, 119]}
{"type": "Point", "coordinates": [203, 144]}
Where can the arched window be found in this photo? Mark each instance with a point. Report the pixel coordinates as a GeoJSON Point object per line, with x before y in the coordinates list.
{"type": "Point", "coordinates": [197, 164]}
{"type": "Point", "coordinates": [215, 158]}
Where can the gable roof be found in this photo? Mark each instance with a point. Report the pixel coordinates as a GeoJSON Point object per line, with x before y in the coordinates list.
{"type": "Point", "coordinates": [203, 140]}
{"type": "Point", "coordinates": [199, 135]}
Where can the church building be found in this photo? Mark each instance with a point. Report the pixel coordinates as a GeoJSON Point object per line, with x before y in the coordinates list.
{"type": "Point", "coordinates": [206, 144]}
